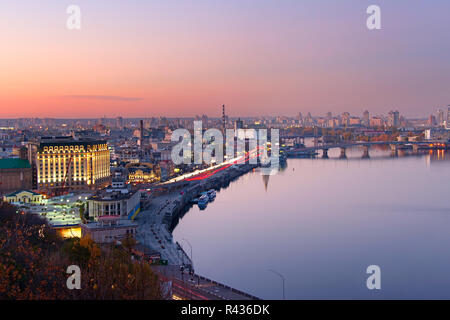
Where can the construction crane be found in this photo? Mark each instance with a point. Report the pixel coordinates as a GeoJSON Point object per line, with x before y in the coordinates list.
{"type": "Point", "coordinates": [67, 171]}
{"type": "Point", "coordinates": [62, 190]}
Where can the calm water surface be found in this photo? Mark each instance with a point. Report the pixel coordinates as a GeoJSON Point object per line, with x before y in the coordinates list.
{"type": "Point", "coordinates": [321, 222]}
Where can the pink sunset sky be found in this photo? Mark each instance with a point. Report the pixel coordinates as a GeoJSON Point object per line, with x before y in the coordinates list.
{"type": "Point", "coordinates": [182, 58]}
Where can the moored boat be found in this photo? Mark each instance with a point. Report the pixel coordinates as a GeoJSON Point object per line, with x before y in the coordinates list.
{"type": "Point", "coordinates": [203, 200]}
{"type": "Point", "coordinates": [211, 194]}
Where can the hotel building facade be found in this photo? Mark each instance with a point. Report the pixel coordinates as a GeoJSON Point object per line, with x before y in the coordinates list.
{"type": "Point", "coordinates": [72, 163]}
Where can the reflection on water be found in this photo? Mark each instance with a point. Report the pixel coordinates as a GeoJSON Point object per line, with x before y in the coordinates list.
{"type": "Point", "coordinates": [321, 222]}
{"type": "Point", "coordinates": [438, 156]}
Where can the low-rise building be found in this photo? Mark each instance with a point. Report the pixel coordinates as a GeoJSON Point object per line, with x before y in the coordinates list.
{"type": "Point", "coordinates": [437, 134]}
{"type": "Point", "coordinates": [376, 122]}
{"type": "Point", "coordinates": [15, 174]}
{"type": "Point", "coordinates": [414, 138]}
{"type": "Point", "coordinates": [143, 173]}
{"type": "Point", "coordinates": [109, 229]}
{"type": "Point", "coordinates": [116, 200]}
{"type": "Point", "coordinates": [24, 196]}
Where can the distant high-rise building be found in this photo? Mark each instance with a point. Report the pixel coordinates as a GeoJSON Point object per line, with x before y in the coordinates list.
{"type": "Point", "coordinates": [141, 134]}
{"type": "Point", "coordinates": [345, 119]}
{"type": "Point", "coordinates": [447, 124]}
{"type": "Point", "coordinates": [366, 118]}
{"type": "Point", "coordinates": [394, 119]}
{"type": "Point", "coordinates": [238, 124]}
{"type": "Point", "coordinates": [119, 123]}
{"type": "Point", "coordinates": [440, 117]}
{"type": "Point", "coordinates": [205, 120]}
{"type": "Point", "coordinates": [309, 120]}
{"type": "Point", "coordinates": [300, 118]}
{"type": "Point", "coordinates": [431, 120]}
{"type": "Point", "coordinates": [403, 121]}
{"type": "Point", "coordinates": [223, 119]}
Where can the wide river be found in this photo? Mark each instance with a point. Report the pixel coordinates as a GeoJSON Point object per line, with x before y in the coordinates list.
{"type": "Point", "coordinates": [321, 222]}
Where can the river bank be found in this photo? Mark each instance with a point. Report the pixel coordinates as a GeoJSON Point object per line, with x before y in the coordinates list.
{"type": "Point", "coordinates": [321, 222]}
{"type": "Point", "coordinates": [170, 204]}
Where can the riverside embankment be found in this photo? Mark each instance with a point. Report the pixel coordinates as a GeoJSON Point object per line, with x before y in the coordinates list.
{"type": "Point", "coordinates": [170, 201]}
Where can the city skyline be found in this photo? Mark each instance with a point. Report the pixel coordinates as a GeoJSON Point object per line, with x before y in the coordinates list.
{"type": "Point", "coordinates": [182, 59]}
{"type": "Point", "coordinates": [219, 151]}
{"type": "Point", "coordinates": [441, 113]}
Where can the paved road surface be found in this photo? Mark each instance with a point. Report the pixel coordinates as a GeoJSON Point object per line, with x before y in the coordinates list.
{"type": "Point", "coordinates": [197, 287]}
{"type": "Point", "coordinates": [153, 233]}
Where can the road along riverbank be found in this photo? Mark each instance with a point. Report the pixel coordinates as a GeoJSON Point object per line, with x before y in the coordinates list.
{"type": "Point", "coordinates": [169, 202]}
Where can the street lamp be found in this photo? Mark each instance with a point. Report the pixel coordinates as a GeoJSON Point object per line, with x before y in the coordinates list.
{"type": "Point", "coordinates": [192, 261]}
{"type": "Point", "coordinates": [282, 279]}
{"type": "Point", "coordinates": [181, 255]}
{"type": "Point", "coordinates": [192, 264]}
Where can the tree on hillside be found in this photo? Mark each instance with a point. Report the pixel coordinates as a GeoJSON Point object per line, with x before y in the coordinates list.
{"type": "Point", "coordinates": [34, 260]}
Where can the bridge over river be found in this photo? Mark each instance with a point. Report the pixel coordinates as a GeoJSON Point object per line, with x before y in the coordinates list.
{"type": "Point", "coordinates": [395, 146]}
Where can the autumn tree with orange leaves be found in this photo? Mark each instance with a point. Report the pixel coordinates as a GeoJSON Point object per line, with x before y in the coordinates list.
{"type": "Point", "coordinates": [34, 260]}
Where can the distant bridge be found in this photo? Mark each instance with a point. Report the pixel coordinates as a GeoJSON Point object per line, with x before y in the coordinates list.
{"type": "Point", "coordinates": [395, 145]}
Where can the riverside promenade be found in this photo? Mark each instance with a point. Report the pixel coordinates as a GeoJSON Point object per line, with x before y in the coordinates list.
{"type": "Point", "coordinates": [161, 215]}
{"type": "Point", "coordinates": [165, 208]}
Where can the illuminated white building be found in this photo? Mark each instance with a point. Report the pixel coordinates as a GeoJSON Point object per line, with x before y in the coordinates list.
{"type": "Point", "coordinates": [73, 163]}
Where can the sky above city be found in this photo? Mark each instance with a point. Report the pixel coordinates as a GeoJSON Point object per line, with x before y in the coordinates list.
{"type": "Point", "coordinates": [144, 58]}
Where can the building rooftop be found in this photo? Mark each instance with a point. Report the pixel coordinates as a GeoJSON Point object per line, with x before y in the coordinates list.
{"type": "Point", "coordinates": [14, 163]}
{"type": "Point", "coordinates": [111, 194]}
{"type": "Point", "coordinates": [58, 216]}
{"type": "Point", "coordinates": [119, 223]}
{"type": "Point", "coordinates": [68, 141]}
{"type": "Point", "coordinates": [19, 191]}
